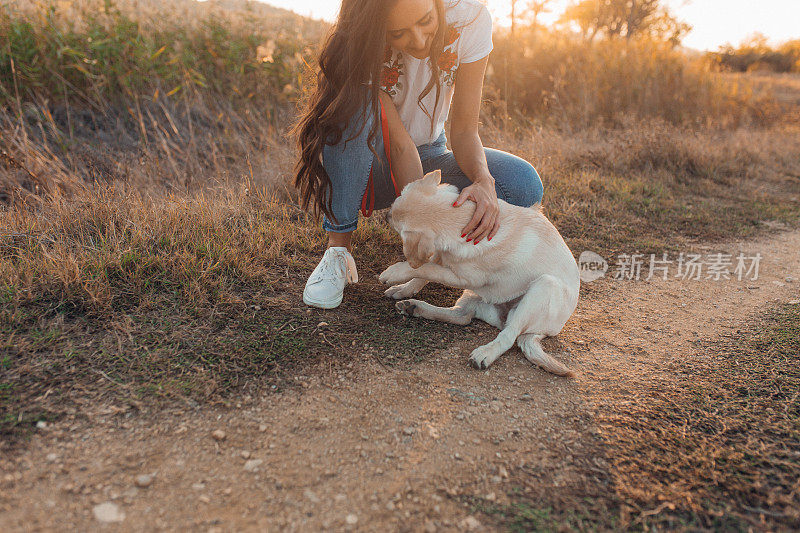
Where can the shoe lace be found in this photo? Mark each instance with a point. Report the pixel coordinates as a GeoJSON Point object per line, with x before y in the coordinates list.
{"type": "Point", "coordinates": [332, 267]}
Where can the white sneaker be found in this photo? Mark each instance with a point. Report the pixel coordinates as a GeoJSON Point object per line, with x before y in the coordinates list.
{"type": "Point", "coordinates": [325, 286]}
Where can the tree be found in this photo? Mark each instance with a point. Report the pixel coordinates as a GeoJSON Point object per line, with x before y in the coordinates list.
{"type": "Point", "coordinates": [536, 8]}
{"type": "Point", "coordinates": [513, 15]}
{"type": "Point", "coordinates": [666, 27]}
{"type": "Point", "coordinates": [529, 10]}
{"type": "Point", "coordinates": [584, 15]}
{"type": "Point", "coordinates": [625, 18]}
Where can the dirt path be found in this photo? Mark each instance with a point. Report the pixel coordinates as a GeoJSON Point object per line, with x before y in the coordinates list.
{"type": "Point", "coordinates": [381, 448]}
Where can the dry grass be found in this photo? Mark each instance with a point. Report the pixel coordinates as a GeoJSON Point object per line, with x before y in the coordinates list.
{"type": "Point", "coordinates": [154, 16]}
{"type": "Point", "coordinates": [648, 185]}
{"type": "Point", "coordinates": [140, 229]}
{"type": "Point", "coordinates": [644, 186]}
{"type": "Point", "coordinates": [141, 296]}
{"type": "Point", "coordinates": [108, 109]}
{"type": "Point", "coordinates": [117, 296]}
{"type": "Point", "coordinates": [783, 89]}
{"type": "Point", "coordinates": [165, 97]}
{"type": "Point", "coordinates": [566, 83]}
{"type": "Point", "coordinates": [757, 55]}
{"type": "Point", "coordinates": [95, 250]}
{"type": "Point", "coordinates": [101, 54]}
{"type": "Point", "coordinates": [159, 147]}
{"type": "Point", "coordinates": [99, 51]}
{"type": "Point", "coordinates": [717, 450]}
{"type": "Point", "coordinates": [137, 286]}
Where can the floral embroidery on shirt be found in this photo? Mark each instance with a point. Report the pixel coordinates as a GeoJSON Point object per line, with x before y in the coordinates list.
{"type": "Point", "coordinates": [449, 58]}
{"type": "Point", "coordinates": [390, 77]}
{"type": "Point", "coordinates": [393, 66]}
{"type": "Point", "coordinates": [452, 35]}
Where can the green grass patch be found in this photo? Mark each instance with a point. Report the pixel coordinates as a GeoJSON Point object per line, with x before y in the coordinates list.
{"type": "Point", "coordinates": [520, 515]}
{"type": "Point", "coordinates": [113, 54]}
{"type": "Point", "coordinates": [175, 350]}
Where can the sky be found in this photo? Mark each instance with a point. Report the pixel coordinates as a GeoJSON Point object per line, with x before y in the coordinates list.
{"type": "Point", "coordinates": [715, 22]}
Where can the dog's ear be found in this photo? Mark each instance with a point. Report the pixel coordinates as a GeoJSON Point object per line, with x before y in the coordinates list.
{"type": "Point", "coordinates": [418, 248]}
{"type": "Point", "coordinates": [432, 179]}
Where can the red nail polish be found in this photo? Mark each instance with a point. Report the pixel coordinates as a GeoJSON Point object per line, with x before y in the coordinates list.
{"type": "Point", "coordinates": [469, 239]}
{"type": "Point", "coordinates": [463, 235]}
{"type": "Point", "coordinates": [490, 238]}
{"type": "Point", "coordinates": [476, 242]}
{"type": "Point", "coordinates": [454, 204]}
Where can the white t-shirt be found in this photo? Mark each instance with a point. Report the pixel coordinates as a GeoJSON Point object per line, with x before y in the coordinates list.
{"type": "Point", "coordinates": [468, 39]}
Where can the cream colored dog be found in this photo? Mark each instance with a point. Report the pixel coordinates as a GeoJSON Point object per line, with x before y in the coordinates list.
{"type": "Point", "coordinates": [524, 281]}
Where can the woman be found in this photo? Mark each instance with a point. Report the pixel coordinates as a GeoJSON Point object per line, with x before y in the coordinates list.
{"type": "Point", "coordinates": [430, 57]}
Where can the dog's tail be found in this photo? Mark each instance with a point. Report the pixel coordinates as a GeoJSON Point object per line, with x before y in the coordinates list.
{"type": "Point", "coordinates": [529, 343]}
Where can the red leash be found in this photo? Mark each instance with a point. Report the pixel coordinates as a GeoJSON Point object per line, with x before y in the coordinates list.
{"type": "Point", "coordinates": [369, 193]}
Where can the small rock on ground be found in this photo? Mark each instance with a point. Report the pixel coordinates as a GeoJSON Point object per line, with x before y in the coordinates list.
{"type": "Point", "coordinates": [252, 465]}
{"type": "Point", "coordinates": [108, 512]}
{"type": "Point", "coordinates": [470, 523]}
{"type": "Point", "coordinates": [143, 481]}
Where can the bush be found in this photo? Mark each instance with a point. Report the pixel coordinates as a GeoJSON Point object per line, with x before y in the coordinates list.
{"type": "Point", "coordinates": [756, 55]}
{"type": "Point", "coordinates": [568, 81]}
{"type": "Point", "coordinates": [101, 52]}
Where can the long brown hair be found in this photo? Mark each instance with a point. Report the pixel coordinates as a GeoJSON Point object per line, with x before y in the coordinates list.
{"type": "Point", "coordinates": [352, 54]}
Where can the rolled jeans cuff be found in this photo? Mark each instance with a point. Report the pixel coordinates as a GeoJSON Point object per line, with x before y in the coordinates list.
{"type": "Point", "coordinates": [327, 225]}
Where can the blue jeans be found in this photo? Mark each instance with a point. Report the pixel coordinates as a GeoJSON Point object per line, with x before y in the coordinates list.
{"type": "Point", "coordinates": [348, 165]}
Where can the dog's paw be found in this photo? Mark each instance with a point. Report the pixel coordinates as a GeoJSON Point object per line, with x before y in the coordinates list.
{"type": "Point", "coordinates": [396, 274]}
{"type": "Point", "coordinates": [406, 307]}
{"type": "Point", "coordinates": [482, 357]}
{"type": "Point", "coordinates": [404, 290]}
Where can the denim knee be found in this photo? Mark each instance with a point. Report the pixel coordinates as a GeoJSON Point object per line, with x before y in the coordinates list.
{"type": "Point", "coordinates": [525, 187]}
{"type": "Point", "coordinates": [533, 191]}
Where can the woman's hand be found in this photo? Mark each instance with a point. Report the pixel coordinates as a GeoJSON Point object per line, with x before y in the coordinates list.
{"type": "Point", "coordinates": [485, 222]}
